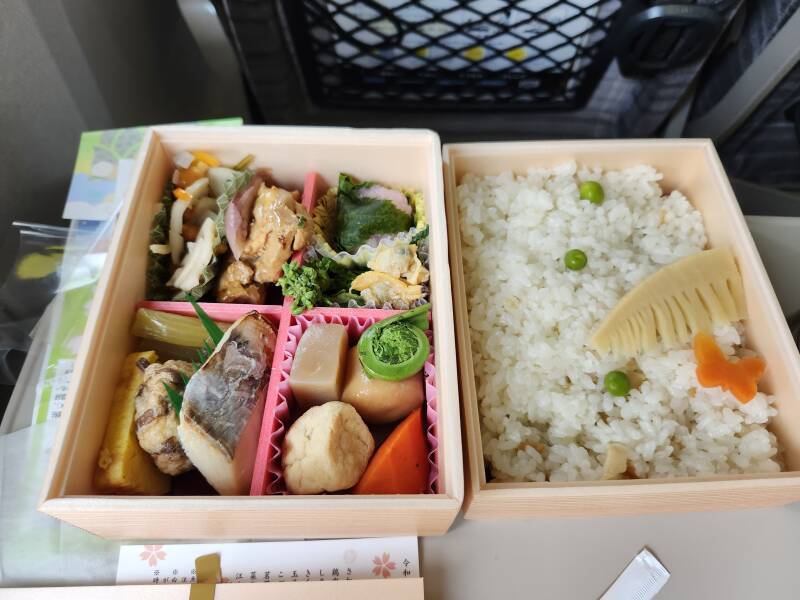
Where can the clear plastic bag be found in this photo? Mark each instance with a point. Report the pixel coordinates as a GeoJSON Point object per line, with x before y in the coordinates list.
{"type": "Point", "coordinates": [49, 260]}
{"type": "Point", "coordinates": [36, 549]}
{"type": "Point", "coordinates": [84, 256]}
{"type": "Point", "coordinates": [31, 284]}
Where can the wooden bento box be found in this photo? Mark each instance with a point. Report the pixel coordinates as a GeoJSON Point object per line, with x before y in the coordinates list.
{"type": "Point", "coordinates": [693, 167]}
{"type": "Point", "coordinates": [388, 589]}
{"type": "Point", "coordinates": [404, 157]}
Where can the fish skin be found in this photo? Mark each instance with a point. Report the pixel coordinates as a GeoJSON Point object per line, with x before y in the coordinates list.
{"type": "Point", "coordinates": [222, 399]}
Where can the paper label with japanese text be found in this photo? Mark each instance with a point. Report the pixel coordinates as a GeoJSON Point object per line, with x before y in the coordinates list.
{"type": "Point", "coordinates": [64, 369]}
{"type": "Point", "coordinates": [320, 560]}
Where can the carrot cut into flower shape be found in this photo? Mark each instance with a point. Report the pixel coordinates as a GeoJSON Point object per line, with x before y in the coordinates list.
{"type": "Point", "coordinates": [400, 466]}
{"type": "Point", "coordinates": [715, 370]}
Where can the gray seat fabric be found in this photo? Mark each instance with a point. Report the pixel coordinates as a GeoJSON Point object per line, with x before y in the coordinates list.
{"type": "Point", "coordinates": [765, 148]}
{"type": "Point", "coordinates": [619, 107]}
{"type": "Point", "coordinates": [762, 20]}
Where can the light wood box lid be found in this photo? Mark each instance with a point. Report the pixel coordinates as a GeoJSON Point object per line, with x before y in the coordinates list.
{"type": "Point", "coordinates": [387, 589]}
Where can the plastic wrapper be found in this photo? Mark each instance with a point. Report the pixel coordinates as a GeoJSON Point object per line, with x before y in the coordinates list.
{"type": "Point", "coordinates": [85, 252]}
{"type": "Point", "coordinates": [35, 278]}
{"type": "Point", "coordinates": [31, 284]}
{"type": "Point", "coordinates": [36, 549]}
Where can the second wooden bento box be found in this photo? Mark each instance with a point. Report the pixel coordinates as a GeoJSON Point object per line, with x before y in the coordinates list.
{"type": "Point", "coordinates": [408, 158]}
{"type": "Point", "coordinates": [693, 167]}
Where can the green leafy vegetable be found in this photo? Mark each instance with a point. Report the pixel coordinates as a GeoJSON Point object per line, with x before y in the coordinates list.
{"type": "Point", "coordinates": [343, 298]}
{"type": "Point", "coordinates": [396, 348]}
{"type": "Point", "coordinates": [419, 236]}
{"type": "Point", "coordinates": [244, 163]}
{"type": "Point", "coordinates": [318, 283]}
{"type": "Point", "coordinates": [175, 398]}
{"type": "Point", "coordinates": [159, 266]}
{"type": "Point", "coordinates": [214, 331]}
{"type": "Point", "coordinates": [216, 334]}
{"type": "Point", "coordinates": [301, 284]}
{"type": "Point", "coordinates": [357, 219]}
{"type": "Point", "coordinates": [238, 180]}
{"type": "Point", "coordinates": [332, 275]}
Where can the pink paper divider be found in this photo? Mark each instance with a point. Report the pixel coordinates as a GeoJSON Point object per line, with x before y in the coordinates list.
{"type": "Point", "coordinates": [313, 186]}
{"type": "Point", "coordinates": [278, 315]}
{"type": "Point", "coordinates": [268, 471]}
{"type": "Point", "coordinates": [274, 414]}
{"type": "Point", "coordinates": [225, 313]}
{"type": "Point", "coordinates": [270, 419]}
{"type": "Point", "coordinates": [432, 416]}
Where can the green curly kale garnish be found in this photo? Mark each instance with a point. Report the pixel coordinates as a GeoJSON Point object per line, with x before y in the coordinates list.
{"type": "Point", "coordinates": [301, 284]}
{"type": "Point", "coordinates": [319, 283]}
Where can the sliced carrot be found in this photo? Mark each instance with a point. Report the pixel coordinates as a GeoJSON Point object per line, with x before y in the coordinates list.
{"type": "Point", "coordinates": [400, 466]}
{"type": "Point", "coordinates": [187, 177]}
{"type": "Point", "coordinates": [181, 194]}
{"type": "Point", "coordinates": [209, 159]}
{"type": "Point", "coordinates": [714, 369]}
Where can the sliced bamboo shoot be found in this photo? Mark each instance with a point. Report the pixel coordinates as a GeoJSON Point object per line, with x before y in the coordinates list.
{"type": "Point", "coordinates": [673, 304]}
{"type": "Point", "coordinates": [179, 330]}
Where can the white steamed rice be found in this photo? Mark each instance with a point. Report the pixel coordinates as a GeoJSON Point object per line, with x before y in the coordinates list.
{"type": "Point", "coordinates": [544, 413]}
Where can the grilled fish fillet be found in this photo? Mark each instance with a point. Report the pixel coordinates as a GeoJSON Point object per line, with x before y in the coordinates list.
{"type": "Point", "coordinates": [223, 404]}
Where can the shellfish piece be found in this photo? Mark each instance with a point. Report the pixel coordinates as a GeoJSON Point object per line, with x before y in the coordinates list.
{"type": "Point", "coordinates": [223, 405]}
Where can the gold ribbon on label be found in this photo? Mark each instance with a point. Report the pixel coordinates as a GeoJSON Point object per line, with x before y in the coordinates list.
{"type": "Point", "coordinates": [207, 570]}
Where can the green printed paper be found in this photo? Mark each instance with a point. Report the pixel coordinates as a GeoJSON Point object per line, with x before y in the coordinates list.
{"type": "Point", "coordinates": [92, 199]}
